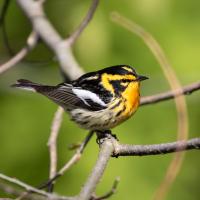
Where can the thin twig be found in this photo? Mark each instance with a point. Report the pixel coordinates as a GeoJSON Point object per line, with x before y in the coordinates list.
{"type": "Point", "coordinates": [109, 193]}
{"type": "Point", "coordinates": [16, 192]}
{"type": "Point", "coordinates": [74, 36]}
{"type": "Point", "coordinates": [31, 42]}
{"type": "Point", "coordinates": [52, 143]}
{"type": "Point", "coordinates": [74, 159]}
{"type": "Point", "coordinates": [32, 189]}
{"type": "Point", "coordinates": [188, 89]}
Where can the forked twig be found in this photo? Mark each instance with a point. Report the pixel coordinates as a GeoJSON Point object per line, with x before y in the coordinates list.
{"type": "Point", "coordinates": [74, 159]}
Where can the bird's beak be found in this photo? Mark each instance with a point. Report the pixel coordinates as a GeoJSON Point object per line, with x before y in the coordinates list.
{"type": "Point", "coordinates": [141, 78]}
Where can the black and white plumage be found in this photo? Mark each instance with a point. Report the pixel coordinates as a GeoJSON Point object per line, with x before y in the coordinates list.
{"type": "Point", "coordinates": [95, 100]}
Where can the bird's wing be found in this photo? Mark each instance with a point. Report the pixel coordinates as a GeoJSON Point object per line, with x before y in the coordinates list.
{"type": "Point", "coordinates": [71, 97]}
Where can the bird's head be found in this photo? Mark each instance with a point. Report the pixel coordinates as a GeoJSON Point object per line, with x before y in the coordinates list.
{"type": "Point", "coordinates": [119, 78]}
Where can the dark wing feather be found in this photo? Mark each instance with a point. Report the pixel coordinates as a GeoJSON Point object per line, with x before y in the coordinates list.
{"type": "Point", "coordinates": [64, 96]}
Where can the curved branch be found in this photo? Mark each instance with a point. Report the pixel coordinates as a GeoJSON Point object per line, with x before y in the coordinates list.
{"type": "Point", "coordinates": [74, 36]}
{"type": "Point", "coordinates": [170, 94]}
{"type": "Point", "coordinates": [109, 193]}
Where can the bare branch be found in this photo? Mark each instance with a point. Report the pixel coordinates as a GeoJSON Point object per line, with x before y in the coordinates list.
{"type": "Point", "coordinates": [188, 89]}
{"type": "Point", "coordinates": [74, 36]}
{"type": "Point", "coordinates": [88, 189]}
{"type": "Point", "coordinates": [52, 143]}
{"type": "Point", "coordinates": [110, 146]}
{"type": "Point", "coordinates": [155, 149]}
{"type": "Point", "coordinates": [13, 191]}
{"type": "Point", "coordinates": [74, 159]}
{"type": "Point", "coordinates": [34, 10]}
{"type": "Point", "coordinates": [32, 189]}
{"type": "Point", "coordinates": [31, 42]}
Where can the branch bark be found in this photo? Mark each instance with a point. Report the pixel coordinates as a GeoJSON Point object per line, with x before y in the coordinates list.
{"type": "Point", "coordinates": [110, 146]}
{"type": "Point", "coordinates": [188, 89]}
{"type": "Point", "coordinates": [155, 149]}
{"type": "Point", "coordinates": [98, 170]}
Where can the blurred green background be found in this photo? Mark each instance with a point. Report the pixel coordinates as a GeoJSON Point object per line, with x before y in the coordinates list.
{"type": "Point", "coordinates": [25, 118]}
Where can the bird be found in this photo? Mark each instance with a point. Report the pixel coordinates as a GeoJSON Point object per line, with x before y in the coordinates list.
{"type": "Point", "coordinates": [96, 101]}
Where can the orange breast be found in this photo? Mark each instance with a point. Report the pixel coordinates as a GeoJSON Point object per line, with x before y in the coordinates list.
{"type": "Point", "coordinates": [132, 97]}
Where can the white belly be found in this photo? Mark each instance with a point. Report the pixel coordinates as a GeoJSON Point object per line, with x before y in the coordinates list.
{"type": "Point", "coordinates": [98, 120]}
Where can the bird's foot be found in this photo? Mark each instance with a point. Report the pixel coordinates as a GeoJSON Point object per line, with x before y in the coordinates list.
{"type": "Point", "coordinates": [102, 135]}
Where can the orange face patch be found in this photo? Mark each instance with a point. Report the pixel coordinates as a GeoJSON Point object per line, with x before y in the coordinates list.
{"type": "Point", "coordinates": [106, 78]}
{"type": "Point", "coordinates": [132, 96]}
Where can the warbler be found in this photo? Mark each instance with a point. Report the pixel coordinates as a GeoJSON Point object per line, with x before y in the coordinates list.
{"type": "Point", "coordinates": [97, 101]}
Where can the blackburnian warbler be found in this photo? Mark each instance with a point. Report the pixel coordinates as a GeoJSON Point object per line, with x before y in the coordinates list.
{"type": "Point", "coordinates": [97, 101]}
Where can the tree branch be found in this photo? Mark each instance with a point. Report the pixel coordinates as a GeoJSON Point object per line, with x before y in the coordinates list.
{"type": "Point", "coordinates": [52, 143]}
{"type": "Point", "coordinates": [74, 159]}
{"type": "Point", "coordinates": [155, 149]}
{"type": "Point", "coordinates": [170, 94]}
{"type": "Point", "coordinates": [32, 189]}
{"type": "Point", "coordinates": [34, 11]}
{"type": "Point", "coordinates": [110, 146]}
{"type": "Point", "coordinates": [31, 42]}
{"type": "Point", "coordinates": [88, 189]}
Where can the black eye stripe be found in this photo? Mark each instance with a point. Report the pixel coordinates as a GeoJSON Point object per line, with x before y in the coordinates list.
{"type": "Point", "coordinates": [121, 81]}
{"type": "Point", "coordinates": [126, 80]}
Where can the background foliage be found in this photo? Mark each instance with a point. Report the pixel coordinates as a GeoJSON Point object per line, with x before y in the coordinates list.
{"type": "Point", "coordinates": [25, 118]}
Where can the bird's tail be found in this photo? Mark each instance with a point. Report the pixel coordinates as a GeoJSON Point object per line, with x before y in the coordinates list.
{"type": "Point", "coordinates": [28, 85]}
